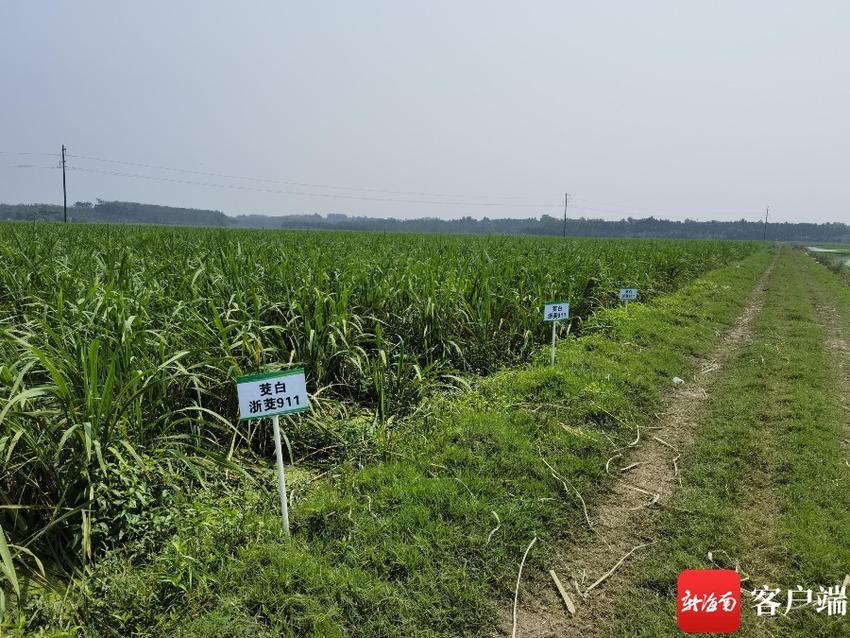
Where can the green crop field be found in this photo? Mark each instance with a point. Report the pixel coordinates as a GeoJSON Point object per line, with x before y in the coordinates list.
{"type": "Point", "coordinates": [439, 442]}
{"type": "Point", "coordinates": [119, 347]}
{"type": "Point", "coordinates": [424, 319]}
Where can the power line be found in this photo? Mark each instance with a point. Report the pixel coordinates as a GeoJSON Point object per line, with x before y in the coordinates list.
{"type": "Point", "coordinates": [176, 180]}
{"type": "Point", "coordinates": [609, 205]}
{"type": "Point", "coordinates": [25, 153]}
{"type": "Point", "coordinates": [701, 216]}
{"type": "Point", "coordinates": [626, 209]}
{"type": "Point", "coordinates": [33, 166]}
{"type": "Point", "coordinates": [591, 206]}
{"type": "Point", "coordinates": [291, 183]}
{"type": "Point", "coordinates": [581, 210]}
{"type": "Point", "coordinates": [285, 182]}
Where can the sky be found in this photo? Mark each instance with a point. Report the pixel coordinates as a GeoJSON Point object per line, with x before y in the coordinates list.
{"type": "Point", "coordinates": [440, 108]}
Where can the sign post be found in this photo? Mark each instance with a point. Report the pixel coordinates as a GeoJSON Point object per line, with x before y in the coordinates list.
{"type": "Point", "coordinates": [628, 294]}
{"type": "Point", "coordinates": [555, 311]}
{"type": "Point", "coordinates": [272, 394]}
{"type": "Point", "coordinates": [554, 338]}
{"type": "Point", "coordinates": [281, 475]}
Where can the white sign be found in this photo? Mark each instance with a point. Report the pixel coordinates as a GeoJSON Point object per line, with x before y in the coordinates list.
{"type": "Point", "coordinates": [272, 393]}
{"type": "Point", "coordinates": [628, 294]}
{"type": "Point", "coordinates": [556, 311]}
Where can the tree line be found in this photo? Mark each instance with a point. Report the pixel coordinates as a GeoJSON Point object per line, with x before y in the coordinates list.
{"type": "Point", "coordinates": [117, 212]}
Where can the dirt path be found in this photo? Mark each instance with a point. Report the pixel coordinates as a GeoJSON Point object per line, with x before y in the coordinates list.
{"type": "Point", "coordinates": [644, 478]}
{"type": "Point", "coordinates": [837, 342]}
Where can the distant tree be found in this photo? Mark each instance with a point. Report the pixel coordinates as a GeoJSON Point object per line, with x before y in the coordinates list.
{"type": "Point", "coordinates": [134, 213]}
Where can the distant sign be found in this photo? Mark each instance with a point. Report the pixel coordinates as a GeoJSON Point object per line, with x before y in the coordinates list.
{"type": "Point", "coordinates": [272, 393]}
{"type": "Point", "coordinates": [556, 311]}
{"type": "Point", "coordinates": [628, 294]}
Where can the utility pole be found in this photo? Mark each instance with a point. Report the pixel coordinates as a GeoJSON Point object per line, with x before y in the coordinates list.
{"type": "Point", "coordinates": [64, 192]}
{"type": "Point", "coordinates": [566, 201]}
{"type": "Point", "coordinates": [766, 215]}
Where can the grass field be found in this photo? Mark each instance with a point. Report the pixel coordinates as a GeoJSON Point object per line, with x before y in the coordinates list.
{"type": "Point", "coordinates": [441, 442]}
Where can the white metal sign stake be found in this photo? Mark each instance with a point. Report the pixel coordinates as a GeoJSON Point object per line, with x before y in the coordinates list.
{"type": "Point", "coordinates": [281, 476]}
{"type": "Point", "coordinates": [272, 394]}
{"type": "Point", "coordinates": [554, 337]}
{"type": "Point", "coordinates": [555, 311]}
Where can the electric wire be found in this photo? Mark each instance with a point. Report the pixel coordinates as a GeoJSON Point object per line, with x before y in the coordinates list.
{"type": "Point", "coordinates": [176, 180]}
{"type": "Point", "coordinates": [580, 205]}
{"type": "Point", "coordinates": [292, 183]}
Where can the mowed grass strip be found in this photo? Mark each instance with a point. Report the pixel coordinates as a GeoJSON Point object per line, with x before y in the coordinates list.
{"type": "Point", "coordinates": [766, 485]}
{"type": "Point", "coordinates": [426, 541]}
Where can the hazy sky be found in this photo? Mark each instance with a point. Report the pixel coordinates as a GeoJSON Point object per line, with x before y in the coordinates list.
{"type": "Point", "coordinates": [709, 109]}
